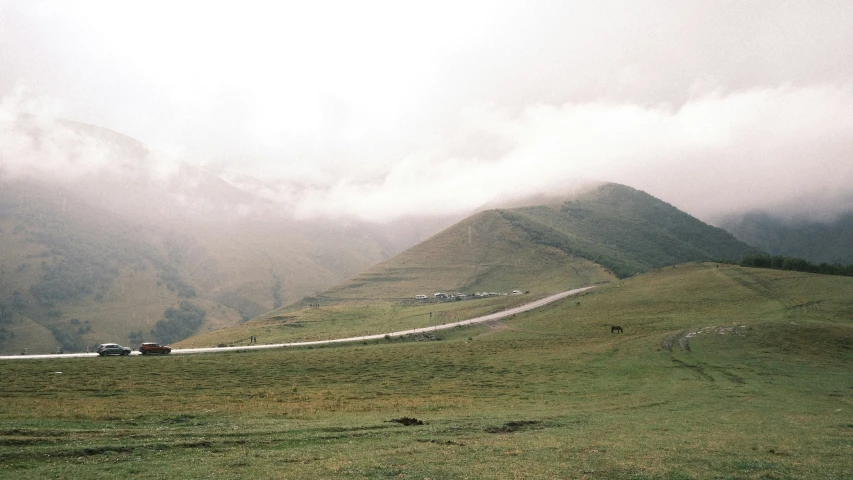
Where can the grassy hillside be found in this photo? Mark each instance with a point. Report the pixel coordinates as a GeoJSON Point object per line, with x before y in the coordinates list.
{"type": "Point", "coordinates": [74, 273]}
{"type": "Point", "coordinates": [99, 254]}
{"type": "Point", "coordinates": [351, 320]}
{"type": "Point", "coordinates": [626, 231]}
{"type": "Point", "coordinates": [71, 275]}
{"type": "Point", "coordinates": [483, 253]}
{"type": "Point", "coordinates": [547, 247]}
{"type": "Point", "coordinates": [721, 372]}
{"type": "Point", "coordinates": [611, 229]}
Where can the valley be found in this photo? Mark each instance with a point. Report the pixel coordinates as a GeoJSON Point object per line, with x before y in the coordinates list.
{"type": "Point", "coordinates": [426, 240]}
{"type": "Point", "coordinates": [714, 369]}
{"type": "Point", "coordinates": [763, 390]}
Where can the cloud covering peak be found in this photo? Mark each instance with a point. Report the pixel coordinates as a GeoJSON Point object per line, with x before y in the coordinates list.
{"type": "Point", "coordinates": [380, 109]}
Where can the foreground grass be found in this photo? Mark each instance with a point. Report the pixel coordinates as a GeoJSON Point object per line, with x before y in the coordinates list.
{"type": "Point", "coordinates": [764, 391]}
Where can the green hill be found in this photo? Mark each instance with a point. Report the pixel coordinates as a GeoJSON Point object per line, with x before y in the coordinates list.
{"type": "Point", "coordinates": [534, 249]}
{"type": "Point", "coordinates": [626, 230]}
{"type": "Point", "coordinates": [484, 253]}
{"type": "Point", "coordinates": [548, 248]}
{"type": "Point", "coordinates": [65, 267]}
{"type": "Point", "coordinates": [721, 372]}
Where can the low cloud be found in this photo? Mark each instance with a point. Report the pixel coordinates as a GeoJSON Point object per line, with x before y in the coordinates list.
{"type": "Point", "coordinates": [711, 156]}
{"type": "Point", "coordinates": [33, 143]}
{"type": "Point", "coordinates": [380, 109]}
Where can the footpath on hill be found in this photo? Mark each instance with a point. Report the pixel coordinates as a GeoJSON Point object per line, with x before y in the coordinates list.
{"type": "Point", "coordinates": [485, 318]}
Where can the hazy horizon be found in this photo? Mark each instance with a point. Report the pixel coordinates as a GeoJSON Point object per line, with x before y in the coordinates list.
{"type": "Point", "coordinates": [383, 109]}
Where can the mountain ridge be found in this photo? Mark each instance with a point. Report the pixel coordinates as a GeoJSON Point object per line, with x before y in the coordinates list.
{"type": "Point", "coordinates": [604, 234]}
{"type": "Point", "coordinates": [827, 241]}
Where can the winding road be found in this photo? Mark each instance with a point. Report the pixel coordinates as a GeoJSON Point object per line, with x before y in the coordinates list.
{"type": "Point", "coordinates": [485, 318]}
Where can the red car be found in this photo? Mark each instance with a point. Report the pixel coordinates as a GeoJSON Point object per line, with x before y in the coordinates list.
{"type": "Point", "coordinates": [151, 347]}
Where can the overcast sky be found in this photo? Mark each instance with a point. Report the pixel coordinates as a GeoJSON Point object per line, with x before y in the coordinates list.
{"type": "Point", "coordinates": [383, 108]}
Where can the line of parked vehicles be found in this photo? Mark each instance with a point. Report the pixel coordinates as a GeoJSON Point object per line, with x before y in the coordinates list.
{"type": "Point", "coordinates": [444, 296]}
{"type": "Point", "coordinates": [146, 348]}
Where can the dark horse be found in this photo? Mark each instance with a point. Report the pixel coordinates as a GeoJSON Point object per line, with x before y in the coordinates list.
{"type": "Point", "coordinates": [615, 328]}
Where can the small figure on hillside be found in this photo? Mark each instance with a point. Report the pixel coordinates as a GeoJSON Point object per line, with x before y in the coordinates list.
{"type": "Point", "coordinates": [616, 329]}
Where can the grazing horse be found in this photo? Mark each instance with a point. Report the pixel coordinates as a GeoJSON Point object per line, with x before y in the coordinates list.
{"type": "Point", "coordinates": [615, 328]}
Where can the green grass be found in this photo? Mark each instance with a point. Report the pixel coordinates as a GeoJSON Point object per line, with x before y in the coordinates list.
{"type": "Point", "coordinates": [353, 320]}
{"type": "Point", "coordinates": [484, 252]}
{"type": "Point", "coordinates": [765, 391]}
{"type": "Point", "coordinates": [626, 230]}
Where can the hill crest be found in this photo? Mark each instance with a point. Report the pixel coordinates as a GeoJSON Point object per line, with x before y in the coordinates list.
{"type": "Point", "coordinates": [606, 232]}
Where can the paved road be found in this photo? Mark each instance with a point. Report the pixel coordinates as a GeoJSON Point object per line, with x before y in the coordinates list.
{"type": "Point", "coordinates": [485, 318]}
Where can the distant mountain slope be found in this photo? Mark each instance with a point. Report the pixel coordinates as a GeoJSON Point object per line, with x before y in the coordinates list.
{"type": "Point", "coordinates": [77, 272]}
{"type": "Point", "coordinates": [99, 238]}
{"type": "Point", "coordinates": [609, 231]}
{"type": "Point", "coordinates": [74, 273]}
{"type": "Point", "coordinates": [592, 237]}
{"type": "Point", "coordinates": [626, 230]}
{"type": "Point", "coordinates": [482, 253]}
{"type": "Point", "coordinates": [817, 242]}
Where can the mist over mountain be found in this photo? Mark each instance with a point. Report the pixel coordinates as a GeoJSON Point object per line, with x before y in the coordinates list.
{"type": "Point", "coordinates": [103, 237]}
{"type": "Point", "coordinates": [813, 236]}
{"type": "Point", "coordinates": [100, 238]}
{"type": "Point", "coordinates": [593, 235]}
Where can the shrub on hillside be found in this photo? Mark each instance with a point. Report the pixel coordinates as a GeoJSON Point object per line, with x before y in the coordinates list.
{"type": "Point", "coordinates": [5, 313]}
{"type": "Point", "coordinates": [179, 323]}
{"type": "Point", "coordinates": [69, 341]}
{"type": "Point", "coordinates": [779, 262]}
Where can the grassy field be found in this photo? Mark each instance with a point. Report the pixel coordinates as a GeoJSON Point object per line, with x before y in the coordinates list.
{"type": "Point", "coordinates": [352, 320]}
{"type": "Point", "coordinates": [721, 372]}
{"type": "Point", "coordinates": [481, 253]}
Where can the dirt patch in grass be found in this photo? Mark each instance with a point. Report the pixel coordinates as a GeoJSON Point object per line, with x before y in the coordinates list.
{"type": "Point", "coordinates": [407, 421]}
{"type": "Point", "coordinates": [443, 442]}
{"type": "Point", "coordinates": [511, 427]}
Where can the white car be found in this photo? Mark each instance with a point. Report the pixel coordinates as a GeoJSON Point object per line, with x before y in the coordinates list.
{"type": "Point", "coordinates": [112, 349]}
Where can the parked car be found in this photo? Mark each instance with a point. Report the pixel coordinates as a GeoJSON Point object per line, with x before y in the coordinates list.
{"type": "Point", "coordinates": [112, 349]}
{"type": "Point", "coordinates": [151, 347]}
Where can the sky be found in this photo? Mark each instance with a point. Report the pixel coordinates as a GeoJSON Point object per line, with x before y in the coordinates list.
{"type": "Point", "coordinates": [382, 109]}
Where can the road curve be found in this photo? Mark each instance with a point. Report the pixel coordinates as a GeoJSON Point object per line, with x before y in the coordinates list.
{"type": "Point", "coordinates": [485, 318]}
